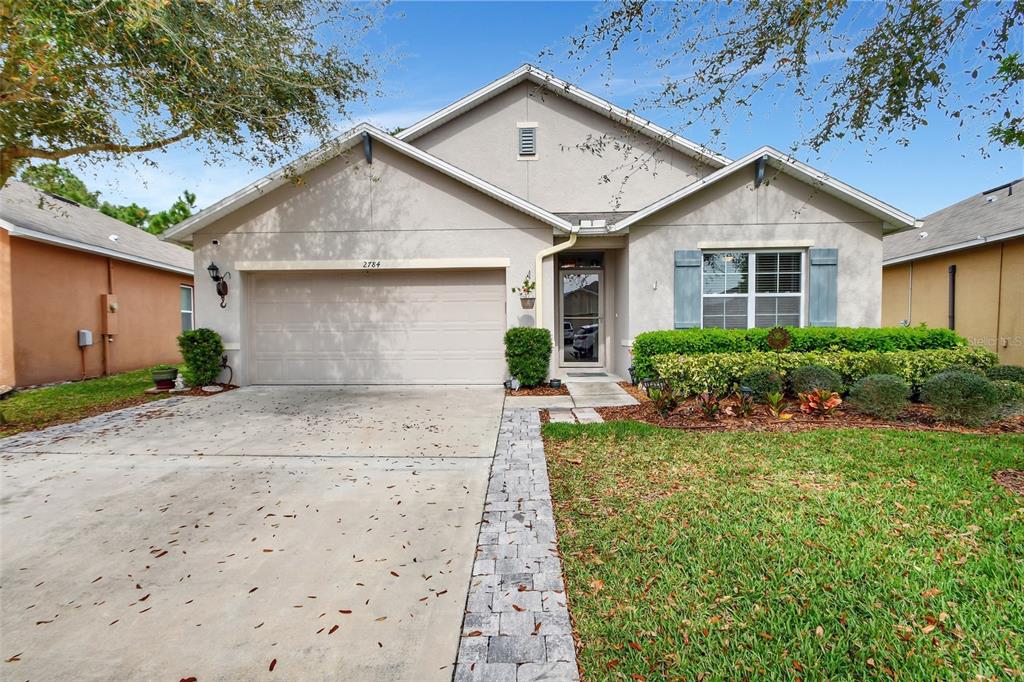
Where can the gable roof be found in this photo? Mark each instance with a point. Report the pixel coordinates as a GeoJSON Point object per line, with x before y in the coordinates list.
{"type": "Point", "coordinates": [34, 214]}
{"type": "Point", "coordinates": [893, 219]}
{"type": "Point", "coordinates": [528, 72]}
{"type": "Point", "coordinates": [988, 216]}
{"type": "Point", "coordinates": [183, 230]}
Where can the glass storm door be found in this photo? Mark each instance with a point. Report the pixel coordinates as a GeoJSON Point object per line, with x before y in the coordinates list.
{"type": "Point", "coordinates": [582, 316]}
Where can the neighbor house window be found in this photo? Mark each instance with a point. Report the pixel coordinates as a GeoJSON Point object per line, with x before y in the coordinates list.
{"type": "Point", "coordinates": [187, 309]}
{"type": "Point", "coordinates": [752, 289]}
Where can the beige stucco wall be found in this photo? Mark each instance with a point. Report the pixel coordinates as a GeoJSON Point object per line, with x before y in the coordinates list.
{"type": "Point", "coordinates": [783, 212]}
{"type": "Point", "coordinates": [989, 307]}
{"type": "Point", "coordinates": [562, 178]}
{"type": "Point", "coordinates": [393, 209]}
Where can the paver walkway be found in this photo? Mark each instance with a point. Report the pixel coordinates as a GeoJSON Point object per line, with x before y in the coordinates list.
{"type": "Point", "coordinates": [517, 626]}
{"type": "Point", "coordinates": [578, 405]}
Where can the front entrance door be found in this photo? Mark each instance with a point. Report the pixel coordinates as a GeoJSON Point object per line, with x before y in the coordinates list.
{"type": "Point", "coordinates": [582, 313]}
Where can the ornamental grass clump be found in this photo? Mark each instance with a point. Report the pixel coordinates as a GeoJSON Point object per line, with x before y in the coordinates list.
{"type": "Point", "coordinates": [880, 395]}
{"type": "Point", "coordinates": [961, 397]}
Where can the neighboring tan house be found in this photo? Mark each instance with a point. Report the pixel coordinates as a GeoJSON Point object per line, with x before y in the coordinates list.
{"type": "Point", "coordinates": [964, 269]}
{"type": "Point", "coordinates": [390, 258]}
{"type": "Point", "coordinates": [67, 269]}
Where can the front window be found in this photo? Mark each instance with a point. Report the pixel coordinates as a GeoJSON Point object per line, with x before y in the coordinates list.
{"type": "Point", "coordinates": [187, 312]}
{"type": "Point", "coordinates": [752, 289]}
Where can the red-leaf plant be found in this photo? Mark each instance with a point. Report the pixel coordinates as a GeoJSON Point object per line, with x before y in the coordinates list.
{"type": "Point", "coordinates": [820, 402]}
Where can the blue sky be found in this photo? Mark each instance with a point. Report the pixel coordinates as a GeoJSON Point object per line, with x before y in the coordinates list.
{"type": "Point", "coordinates": [445, 50]}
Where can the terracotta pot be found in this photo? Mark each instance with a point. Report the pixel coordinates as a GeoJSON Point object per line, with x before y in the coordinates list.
{"type": "Point", "coordinates": [528, 301]}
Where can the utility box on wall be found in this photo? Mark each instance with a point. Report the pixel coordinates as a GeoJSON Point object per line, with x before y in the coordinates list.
{"type": "Point", "coordinates": [109, 303]}
{"type": "Point", "coordinates": [84, 338]}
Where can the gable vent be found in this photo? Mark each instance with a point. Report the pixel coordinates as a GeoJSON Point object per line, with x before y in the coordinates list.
{"type": "Point", "coordinates": [527, 141]}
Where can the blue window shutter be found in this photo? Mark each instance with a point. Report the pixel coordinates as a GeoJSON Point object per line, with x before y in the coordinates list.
{"type": "Point", "coordinates": [823, 287]}
{"type": "Point", "coordinates": [686, 308]}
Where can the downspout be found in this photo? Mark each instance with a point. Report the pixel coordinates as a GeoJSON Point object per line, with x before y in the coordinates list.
{"type": "Point", "coordinates": [541, 255]}
{"type": "Point", "coordinates": [952, 297]}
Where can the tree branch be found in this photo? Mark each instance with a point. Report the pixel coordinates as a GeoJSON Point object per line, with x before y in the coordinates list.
{"type": "Point", "coordinates": [18, 152]}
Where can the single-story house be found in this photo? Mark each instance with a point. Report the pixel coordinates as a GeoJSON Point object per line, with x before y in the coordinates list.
{"type": "Point", "coordinates": [391, 258]}
{"type": "Point", "coordinates": [83, 294]}
{"type": "Point", "coordinates": [963, 269]}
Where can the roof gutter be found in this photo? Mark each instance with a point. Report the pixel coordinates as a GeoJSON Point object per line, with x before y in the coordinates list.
{"type": "Point", "coordinates": [574, 233]}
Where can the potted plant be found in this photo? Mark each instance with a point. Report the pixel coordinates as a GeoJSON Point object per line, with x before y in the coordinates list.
{"type": "Point", "coordinates": [164, 376]}
{"type": "Point", "coordinates": [527, 292]}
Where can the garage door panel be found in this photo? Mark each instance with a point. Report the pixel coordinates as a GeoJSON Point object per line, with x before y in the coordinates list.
{"type": "Point", "coordinates": [378, 327]}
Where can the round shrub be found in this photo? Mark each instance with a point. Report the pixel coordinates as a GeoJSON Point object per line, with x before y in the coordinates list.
{"type": "Point", "coordinates": [1011, 397]}
{"type": "Point", "coordinates": [202, 350]}
{"type": "Point", "coordinates": [528, 353]}
{"type": "Point", "coordinates": [1006, 373]}
{"type": "Point", "coordinates": [762, 382]}
{"type": "Point", "coordinates": [812, 377]}
{"type": "Point", "coordinates": [962, 397]}
{"type": "Point", "coordinates": [880, 395]}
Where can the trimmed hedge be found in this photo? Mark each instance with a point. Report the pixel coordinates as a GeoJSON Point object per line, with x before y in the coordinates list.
{"type": "Point", "coordinates": [719, 371]}
{"type": "Point", "coordinates": [528, 353]}
{"type": "Point", "coordinates": [648, 345]}
{"type": "Point", "coordinates": [202, 350]}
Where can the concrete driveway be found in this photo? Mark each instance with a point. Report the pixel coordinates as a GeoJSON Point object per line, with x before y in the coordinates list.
{"type": "Point", "coordinates": [325, 532]}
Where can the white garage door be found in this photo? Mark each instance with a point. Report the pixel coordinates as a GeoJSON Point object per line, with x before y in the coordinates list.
{"type": "Point", "coordinates": [377, 327]}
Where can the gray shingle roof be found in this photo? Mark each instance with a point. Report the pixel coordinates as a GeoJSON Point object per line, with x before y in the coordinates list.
{"type": "Point", "coordinates": [983, 217]}
{"type": "Point", "coordinates": [27, 208]}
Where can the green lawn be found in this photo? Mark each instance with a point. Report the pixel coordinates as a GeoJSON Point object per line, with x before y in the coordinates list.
{"type": "Point", "coordinates": [39, 407]}
{"type": "Point", "coordinates": [823, 554]}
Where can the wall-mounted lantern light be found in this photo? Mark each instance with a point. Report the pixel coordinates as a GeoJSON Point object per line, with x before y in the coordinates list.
{"type": "Point", "coordinates": [222, 285]}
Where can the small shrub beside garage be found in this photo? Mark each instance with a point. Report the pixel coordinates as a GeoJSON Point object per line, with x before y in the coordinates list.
{"type": "Point", "coordinates": [202, 350]}
{"type": "Point", "coordinates": [528, 353]}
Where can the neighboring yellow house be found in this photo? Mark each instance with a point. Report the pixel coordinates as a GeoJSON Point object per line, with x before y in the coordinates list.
{"type": "Point", "coordinates": [964, 269]}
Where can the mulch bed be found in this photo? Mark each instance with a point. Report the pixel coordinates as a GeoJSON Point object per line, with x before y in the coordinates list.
{"type": "Point", "coordinates": [688, 416]}
{"type": "Point", "coordinates": [542, 390]}
{"type": "Point", "coordinates": [1011, 479]}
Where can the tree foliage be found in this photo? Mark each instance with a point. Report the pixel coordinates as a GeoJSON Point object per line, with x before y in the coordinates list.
{"type": "Point", "coordinates": [55, 179]}
{"type": "Point", "coordinates": [113, 77]}
{"type": "Point", "coordinates": [863, 70]}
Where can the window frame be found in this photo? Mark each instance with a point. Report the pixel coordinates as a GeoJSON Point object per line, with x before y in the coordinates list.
{"type": "Point", "coordinates": [752, 294]}
{"type": "Point", "coordinates": [192, 302]}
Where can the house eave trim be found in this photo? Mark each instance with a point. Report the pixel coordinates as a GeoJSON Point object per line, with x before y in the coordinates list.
{"type": "Point", "coordinates": [889, 215]}
{"type": "Point", "coordinates": [578, 95]}
{"type": "Point", "coordinates": [182, 231]}
{"type": "Point", "coordinates": [37, 236]}
{"type": "Point", "coordinates": [959, 246]}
